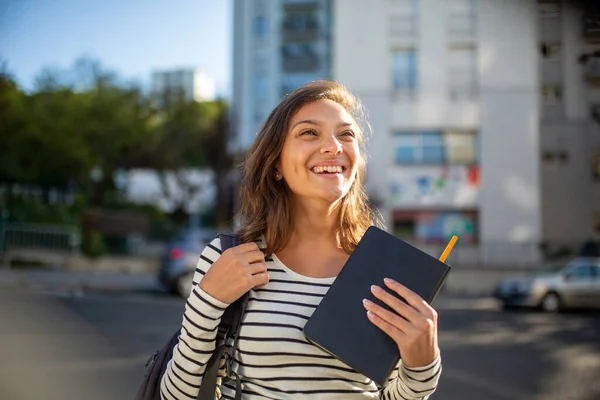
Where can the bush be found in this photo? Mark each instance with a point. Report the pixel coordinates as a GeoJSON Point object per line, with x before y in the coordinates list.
{"type": "Point", "coordinates": [93, 244]}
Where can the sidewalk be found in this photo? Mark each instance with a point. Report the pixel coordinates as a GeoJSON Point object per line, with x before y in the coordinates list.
{"type": "Point", "coordinates": [76, 281]}
{"type": "Point", "coordinates": [461, 282]}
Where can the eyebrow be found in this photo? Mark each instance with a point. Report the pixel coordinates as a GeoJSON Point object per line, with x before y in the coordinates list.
{"type": "Point", "coordinates": [317, 123]}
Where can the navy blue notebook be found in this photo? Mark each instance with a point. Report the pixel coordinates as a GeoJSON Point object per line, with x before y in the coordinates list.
{"type": "Point", "coordinates": [340, 326]}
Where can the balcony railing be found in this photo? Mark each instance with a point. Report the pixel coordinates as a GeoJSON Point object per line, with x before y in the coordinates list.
{"type": "Point", "coordinates": [306, 63]}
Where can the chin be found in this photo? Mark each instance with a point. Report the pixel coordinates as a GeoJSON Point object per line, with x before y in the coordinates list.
{"type": "Point", "coordinates": [332, 196]}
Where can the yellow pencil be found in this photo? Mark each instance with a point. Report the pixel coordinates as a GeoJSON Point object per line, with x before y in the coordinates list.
{"type": "Point", "coordinates": [448, 249]}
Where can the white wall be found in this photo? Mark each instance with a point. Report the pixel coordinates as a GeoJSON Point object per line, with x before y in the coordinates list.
{"type": "Point", "coordinates": [576, 103]}
{"type": "Point", "coordinates": [509, 76]}
{"type": "Point", "coordinates": [360, 47]}
{"type": "Point", "coordinates": [570, 198]}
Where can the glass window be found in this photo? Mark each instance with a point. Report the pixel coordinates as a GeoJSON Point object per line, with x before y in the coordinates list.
{"type": "Point", "coordinates": [407, 148]}
{"type": "Point", "coordinates": [436, 147]}
{"type": "Point", "coordinates": [580, 272]}
{"type": "Point", "coordinates": [433, 147]}
{"type": "Point", "coordinates": [461, 147]}
{"type": "Point", "coordinates": [404, 69]}
{"type": "Point", "coordinates": [260, 26]}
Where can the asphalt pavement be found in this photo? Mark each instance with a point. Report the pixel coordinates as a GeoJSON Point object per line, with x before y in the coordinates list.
{"type": "Point", "coordinates": [93, 345]}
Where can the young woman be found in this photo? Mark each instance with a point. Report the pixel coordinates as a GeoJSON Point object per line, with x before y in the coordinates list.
{"type": "Point", "coordinates": [304, 207]}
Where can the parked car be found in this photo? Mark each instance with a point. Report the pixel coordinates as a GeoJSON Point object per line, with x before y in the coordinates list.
{"type": "Point", "coordinates": [179, 261]}
{"type": "Point", "coordinates": [576, 285]}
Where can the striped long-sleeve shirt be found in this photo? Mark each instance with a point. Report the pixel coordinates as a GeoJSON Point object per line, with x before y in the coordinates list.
{"type": "Point", "coordinates": [274, 360]}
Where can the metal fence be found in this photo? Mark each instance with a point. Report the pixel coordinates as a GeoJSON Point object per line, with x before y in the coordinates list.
{"type": "Point", "coordinates": [34, 242]}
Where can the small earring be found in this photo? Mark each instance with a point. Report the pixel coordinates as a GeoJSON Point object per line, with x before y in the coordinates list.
{"type": "Point", "coordinates": [277, 176]}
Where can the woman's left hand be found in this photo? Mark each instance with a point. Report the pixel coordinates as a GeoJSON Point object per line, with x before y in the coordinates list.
{"type": "Point", "coordinates": [413, 326]}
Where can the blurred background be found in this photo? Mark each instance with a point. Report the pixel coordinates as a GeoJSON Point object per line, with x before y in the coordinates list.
{"type": "Point", "coordinates": [122, 124]}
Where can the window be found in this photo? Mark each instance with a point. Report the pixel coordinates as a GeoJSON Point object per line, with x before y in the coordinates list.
{"type": "Point", "coordinates": [300, 21]}
{"type": "Point", "coordinates": [407, 148]}
{"type": "Point", "coordinates": [433, 227]}
{"type": "Point", "coordinates": [580, 273]}
{"type": "Point", "coordinates": [436, 147]}
{"type": "Point", "coordinates": [550, 51]}
{"type": "Point", "coordinates": [462, 70]}
{"type": "Point", "coordinates": [461, 147]}
{"type": "Point", "coordinates": [419, 148]}
{"type": "Point", "coordinates": [552, 94]}
{"type": "Point", "coordinates": [433, 147]}
{"type": "Point", "coordinates": [404, 229]}
{"type": "Point", "coordinates": [404, 69]}
{"type": "Point", "coordinates": [260, 26]}
{"type": "Point", "coordinates": [461, 18]}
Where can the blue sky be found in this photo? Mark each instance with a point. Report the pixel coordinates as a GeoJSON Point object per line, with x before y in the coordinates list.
{"type": "Point", "coordinates": [131, 37]}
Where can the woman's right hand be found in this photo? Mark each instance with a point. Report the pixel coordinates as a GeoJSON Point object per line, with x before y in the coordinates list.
{"type": "Point", "coordinates": [235, 272]}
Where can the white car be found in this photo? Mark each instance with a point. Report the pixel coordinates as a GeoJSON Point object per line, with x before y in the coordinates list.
{"type": "Point", "coordinates": [576, 285]}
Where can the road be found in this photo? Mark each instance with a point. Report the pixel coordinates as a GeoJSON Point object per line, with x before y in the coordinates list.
{"type": "Point", "coordinates": [94, 347]}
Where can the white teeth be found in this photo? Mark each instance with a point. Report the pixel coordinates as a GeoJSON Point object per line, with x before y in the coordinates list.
{"type": "Point", "coordinates": [329, 168]}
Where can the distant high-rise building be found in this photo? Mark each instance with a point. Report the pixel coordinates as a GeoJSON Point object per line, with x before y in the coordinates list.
{"type": "Point", "coordinates": [278, 46]}
{"type": "Point", "coordinates": [192, 85]}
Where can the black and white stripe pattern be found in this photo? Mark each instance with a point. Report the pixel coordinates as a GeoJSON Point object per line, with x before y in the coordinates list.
{"type": "Point", "coordinates": [274, 360]}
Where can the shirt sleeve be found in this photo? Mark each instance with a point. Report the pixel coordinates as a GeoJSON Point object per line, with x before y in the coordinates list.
{"type": "Point", "coordinates": [413, 383]}
{"type": "Point", "coordinates": [197, 336]}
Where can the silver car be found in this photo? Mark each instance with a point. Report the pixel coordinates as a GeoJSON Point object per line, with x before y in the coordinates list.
{"type": "Point", "coordinates": [576, 285]}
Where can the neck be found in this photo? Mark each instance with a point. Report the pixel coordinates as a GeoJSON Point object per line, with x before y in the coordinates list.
{"type": "Point", "coordinates": [315, 222]}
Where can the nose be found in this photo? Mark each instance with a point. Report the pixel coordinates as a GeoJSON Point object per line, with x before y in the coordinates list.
{"type": "Point", "coordinates": [331, 145]}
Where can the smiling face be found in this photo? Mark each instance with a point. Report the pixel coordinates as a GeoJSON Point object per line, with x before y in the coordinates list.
{"type": "Point", "coordinates": [320, 155]}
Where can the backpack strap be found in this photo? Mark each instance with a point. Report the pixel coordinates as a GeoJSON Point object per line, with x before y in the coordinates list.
{"type": "Point", "coordinates": [228, 328]}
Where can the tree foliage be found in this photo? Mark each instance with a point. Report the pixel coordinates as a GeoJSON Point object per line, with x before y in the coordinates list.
{"type": "Point", "coordinates": [78, 127]}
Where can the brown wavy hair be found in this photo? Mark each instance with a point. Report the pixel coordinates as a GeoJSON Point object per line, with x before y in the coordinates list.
{"type": "Point", "coordinates": [264, 202]}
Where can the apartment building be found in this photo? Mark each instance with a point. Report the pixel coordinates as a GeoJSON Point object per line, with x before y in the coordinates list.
{"type": "Point", "coordinates": [278, 46]}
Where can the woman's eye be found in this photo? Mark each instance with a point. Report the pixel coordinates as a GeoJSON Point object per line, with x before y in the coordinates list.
{"type": "Point", "coordinates": [309, 132]}
{"type": "Point", "coordinates": [349, 133]}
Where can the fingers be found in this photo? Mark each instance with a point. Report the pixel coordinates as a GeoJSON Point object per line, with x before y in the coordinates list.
{"type": "Point", "coordinates": [244, 248]}
{"type": "Point", "coordinates": [395, 303]}
{"type": "Point", "coordinates": [386, 316]}
{"type": "Point", "coordinates": [393, 332]}
{"type": "Point", "coordinates": [253, 256]}
{"type": "Point", "coordinates": [411, 298]}
{"type": "Point", "coordinates": [256, 268]}
{"type": "Point", "coordinates": [259, 279]}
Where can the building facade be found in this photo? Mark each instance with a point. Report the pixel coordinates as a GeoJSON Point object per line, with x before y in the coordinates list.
{"type": "Point", "coordinates": [476, 131]}
{"type": "Point", "coordinates": [190, 84]}
{"type": "Point", "coordinates": [484, 113]}
{"type": "Point", "coordinates": [278, 46]}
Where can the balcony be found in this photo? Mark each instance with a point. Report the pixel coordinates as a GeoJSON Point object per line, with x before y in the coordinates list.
{"type": "Point", "coordinates": [299, 57]}
{"type": "Point", "coordinates": [591, 68]}
{"type": "Point", "coordinates": [300, 27]}
{"type": "Point", "coordinates": [591, 27]}
{"type": "Point", "coordinates": [306, 63]}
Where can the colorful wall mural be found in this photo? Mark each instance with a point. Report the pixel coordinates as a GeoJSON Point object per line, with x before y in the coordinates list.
{"type": "Point", "coordinates": [439, 186]}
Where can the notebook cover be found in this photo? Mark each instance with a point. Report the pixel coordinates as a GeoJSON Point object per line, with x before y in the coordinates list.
{"type": "Point", "coordinates": [340, 326]}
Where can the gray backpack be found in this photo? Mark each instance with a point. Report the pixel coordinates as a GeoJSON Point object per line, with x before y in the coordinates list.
{"type": "Point", "coordinates": [228, 330]}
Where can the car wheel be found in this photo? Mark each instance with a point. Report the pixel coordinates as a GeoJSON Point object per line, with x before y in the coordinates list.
{"type": "Point", "coordinates": [184, 284]}
{"type": "Point", "coordinates": [550, 302]}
